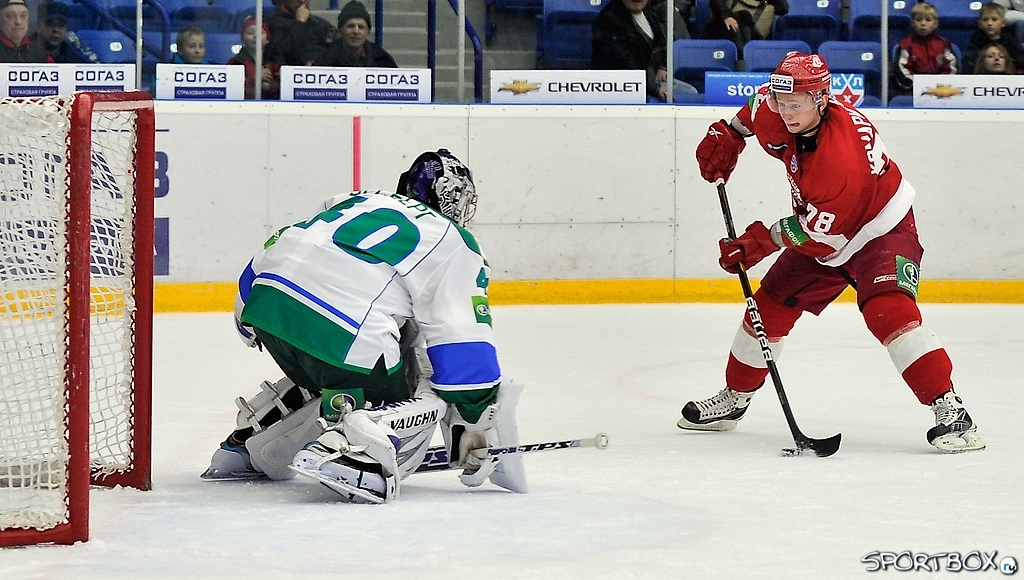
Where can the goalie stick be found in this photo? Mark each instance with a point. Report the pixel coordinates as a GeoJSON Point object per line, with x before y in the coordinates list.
{"type": "Point", "coordinates": [436, 458]}
{"type": "Point", "coordinates": [821, 447]}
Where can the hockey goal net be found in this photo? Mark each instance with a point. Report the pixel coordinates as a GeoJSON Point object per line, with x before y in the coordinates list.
{"type": "Point", "coordinates": [76, 284]}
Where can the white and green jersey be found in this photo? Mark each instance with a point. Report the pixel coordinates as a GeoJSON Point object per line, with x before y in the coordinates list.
{"type": "Point", "coordinates": [340, 285]}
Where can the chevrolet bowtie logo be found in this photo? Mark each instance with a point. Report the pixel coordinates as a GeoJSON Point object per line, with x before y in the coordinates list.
{"type": "Point", "coordinates": [943, 91]}
{"type": "Point", "coordinates": [519, 87]}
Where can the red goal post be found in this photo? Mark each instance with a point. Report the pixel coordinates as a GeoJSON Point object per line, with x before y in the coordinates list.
{"type": "Point", "coordinates": [76, 299]}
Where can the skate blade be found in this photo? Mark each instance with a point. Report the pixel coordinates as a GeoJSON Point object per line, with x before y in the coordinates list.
{"type": "Point", "coordinates": [953, 443]}
{"type": "Point", "coordinates": [339, 487]}
{"type": "Point", "coordinates": [724, 425]}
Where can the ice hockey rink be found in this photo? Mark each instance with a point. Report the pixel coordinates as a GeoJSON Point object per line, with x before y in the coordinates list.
{"type": "Point", "coordinates": [658, 503]}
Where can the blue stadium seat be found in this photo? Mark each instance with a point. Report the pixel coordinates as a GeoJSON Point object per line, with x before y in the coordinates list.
{"type": "Point", "coordinates": [765, 55]}
{"type": "Point", "coordinates": [856, 57]}
{"type": "Point", "coordinates": [813, 21]}
{"type": "Point", "coordinates": [111, 46]}
{"type": "Point", "coordinates": [125, 10]}
{"type": "Point", "coordinates": [865, 22]}
{"type": "Point", "coordinates": [209, 19]}
{"type": "Point", "coordinates": [567, 37]}
{"type": "Point", "coordinates": [220, 47]}
{"type": "Point", "coordinates": [692, 58]}
{"type": "Point", "coordinates": [958, 19]}
{"type": "Point", "coordinates": [901, 102]}
{"type": "Point", "coordinates": [81, 18]}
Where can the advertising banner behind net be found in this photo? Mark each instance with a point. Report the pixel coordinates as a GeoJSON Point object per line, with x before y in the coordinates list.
{"type": "Point", "coordinates": [200, 81]}
{"type": "Point", "coordinates": [360, 85]}
{"type": "Point", "coordinates": [43, 80]}
{"type": "Point", "coordinates": [597, 87]}
{"type": "Point", "coordinates": [969, 91]}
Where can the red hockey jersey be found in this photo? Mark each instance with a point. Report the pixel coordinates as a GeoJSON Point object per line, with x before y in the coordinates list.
{"type": "Point", "coordinates": [845, 189]}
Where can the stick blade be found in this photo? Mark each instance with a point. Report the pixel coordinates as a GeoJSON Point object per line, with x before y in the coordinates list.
{"type": "Point", "coordinates": [820, 447]}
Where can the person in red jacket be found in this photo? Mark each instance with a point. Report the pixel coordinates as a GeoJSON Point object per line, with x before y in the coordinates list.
{"type": "Point", "coordinates": [923, 52]}
{"type": "Point", "coordinates": [15, 44]}
{"type": "Point", "coordinates": [270, 76]}
{"type": "Point", "coordinates": [852, 224]}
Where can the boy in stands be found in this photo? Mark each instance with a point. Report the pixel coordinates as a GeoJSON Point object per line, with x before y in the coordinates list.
{"type": "Point", "coordinates": [852, 224]}
{"type": "Point", "coordinates": [923, 52]}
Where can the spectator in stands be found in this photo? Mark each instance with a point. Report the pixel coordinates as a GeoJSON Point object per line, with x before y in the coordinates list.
{"type": "Point", "coordinates": [270, 76]}
{"type": "Point", "coordinates": [682, 10]}
{"type": "Point", "coordinates": [190, 46]}
{"type": "Point", "coordinates": [923, 52]}
{"type": "Point", "coordinates": [743, 20]}
{"type": "Point", "coordinates": [995, 60]}
{"type": "Point", "coordinates": [15, 44]}
{"type": "Point", "coordinates": [991, 28]}
{"type": "Point", "coordinates": [61, 44]}
{"type": "Point", "coordinates": [353, 48]}
{"type": "Point", "coordinates": [297, 37]}
{"type": "Point", "coordinates": [627, 35]}
{"type": "Point", "coordinates": [1014, 16]}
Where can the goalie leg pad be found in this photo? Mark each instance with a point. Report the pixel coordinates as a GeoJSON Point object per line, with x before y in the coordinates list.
{"type": "Point", "coordinates": [272, 449]}
{"type": "Point", "coordinates": [413, 422]}
{"type": "Point", "coordinates": [497, 427]}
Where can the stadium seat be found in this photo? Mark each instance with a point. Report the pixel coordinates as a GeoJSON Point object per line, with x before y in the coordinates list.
{"type": "Point", "coordinates": [125, 10]}
{"type": "Point", "coordinates": [220, 47]}
{"type": "Point", "coordinates": [765, 55]}
{"type": "Point", "coordinates": [813, 21]}
{"type": "Point", "coordinates": [855, 57]}
{"type": "Point", "coordinates": [567, 37]}
{"type": "Point", "coordinates": [111, 46]}
{"type": "Point", "coordinates": [209, 19]}
{"type": "Point", "coordinates": [901, 102]}
{"type": "Point", "coordinates": [958, 19]}
{"type": "Point", "coordinates": [81, 17]}
{"type": "Point", "coordinates": [866, 18]}
{"type": "Point", "coordinates": [692, 58]}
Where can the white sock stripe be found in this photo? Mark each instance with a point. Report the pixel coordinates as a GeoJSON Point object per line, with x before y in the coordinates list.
{"type": "Point", "coordinates": [910, 346]}
{"type": "Point", "coordinates": [747, 350]}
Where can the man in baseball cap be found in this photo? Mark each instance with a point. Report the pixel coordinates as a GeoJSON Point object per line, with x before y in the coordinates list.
{"type": "Point", "coordinates": [15, 45]}
{"type": "Point", "coordinates": [53, 35]}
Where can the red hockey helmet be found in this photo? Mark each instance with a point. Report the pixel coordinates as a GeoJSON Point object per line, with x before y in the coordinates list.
{"type": "Point", "coordinates": [798, 73]}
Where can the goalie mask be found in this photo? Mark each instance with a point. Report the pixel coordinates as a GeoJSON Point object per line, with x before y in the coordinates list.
{"type": "Point", "coordinates": [439, 180]}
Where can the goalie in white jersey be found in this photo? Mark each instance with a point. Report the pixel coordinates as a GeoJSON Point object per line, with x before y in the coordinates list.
{"type": "Point", "coordinates": [376, 310]}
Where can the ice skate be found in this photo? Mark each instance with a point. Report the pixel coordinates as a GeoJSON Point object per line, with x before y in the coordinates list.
{"type": "Point", "coordinates": [354, 475]}
{"type": "Point", "coordinates": [719, 413]}
{"type": "Point", "coordinates": [954, 430]}
{"type": "Point", "coordinates": [231, 462]}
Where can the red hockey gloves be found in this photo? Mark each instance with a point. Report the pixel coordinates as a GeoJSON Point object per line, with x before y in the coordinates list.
{"type": "Point", "coordinates": [718, 152]}
{"type": "Point", "coordinates": [750, 248]}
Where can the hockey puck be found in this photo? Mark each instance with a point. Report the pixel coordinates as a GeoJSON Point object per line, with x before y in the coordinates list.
{"type": "Point", "coordinates": [790, 452]}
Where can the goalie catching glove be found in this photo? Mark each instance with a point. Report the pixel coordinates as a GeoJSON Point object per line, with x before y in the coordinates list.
{"type": "Point", "coordinates": [719, 151]}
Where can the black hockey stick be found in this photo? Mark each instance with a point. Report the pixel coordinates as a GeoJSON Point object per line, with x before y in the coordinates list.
{"type": "Point", "coordinates": [436, 458]}
{"type": "Point", "coordinates": [821, 447]}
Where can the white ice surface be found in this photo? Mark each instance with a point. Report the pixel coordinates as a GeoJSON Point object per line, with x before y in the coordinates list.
{"type": "Point", "coordinates": [659, 503]}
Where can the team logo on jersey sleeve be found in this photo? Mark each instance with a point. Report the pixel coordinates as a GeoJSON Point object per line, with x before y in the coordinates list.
{"type": "Point", "coordinates": [482, 310]}
{"type": "Point", "coordinates": [793, 164]}
{"type": "Point", "coordinates": [908, 275]}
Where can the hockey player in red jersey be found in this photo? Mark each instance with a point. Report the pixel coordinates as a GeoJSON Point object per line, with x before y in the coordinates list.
{"type": "Point", "coordinates": [852, 224]}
